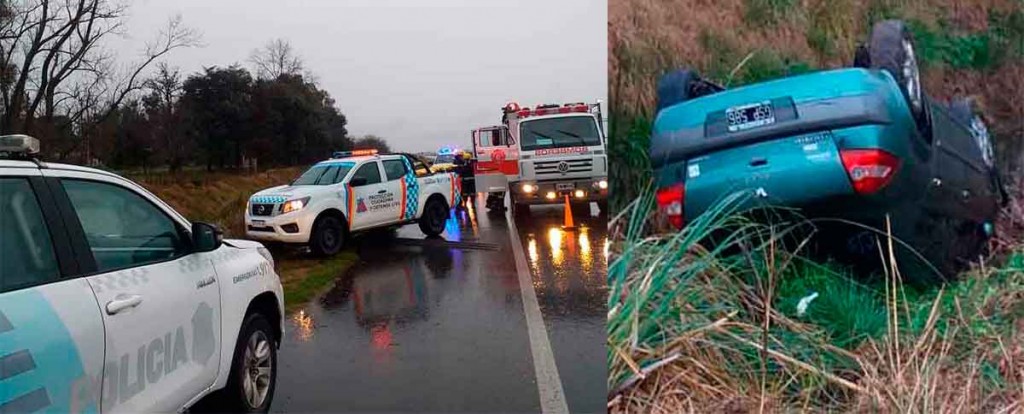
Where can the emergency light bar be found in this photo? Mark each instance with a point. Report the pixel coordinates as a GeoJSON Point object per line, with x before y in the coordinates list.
{"type": "Point", "coordinates": [354, 153]}
{"type": "Point", "coordinates": [554, 109]}
{"type": "Point", "coordinates": [19, 144]}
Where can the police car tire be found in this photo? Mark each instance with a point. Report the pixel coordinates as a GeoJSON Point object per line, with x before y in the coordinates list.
{"type": "Point", "coordinates": [233, 395]}
{"type": "Point", "coordinates": [321, 228]}
{"type": "Point", "coordinates": [429, 224]}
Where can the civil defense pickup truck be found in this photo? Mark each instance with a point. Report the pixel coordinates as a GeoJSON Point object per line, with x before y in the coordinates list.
{"type": "Point", "coordinates": [352, 192]}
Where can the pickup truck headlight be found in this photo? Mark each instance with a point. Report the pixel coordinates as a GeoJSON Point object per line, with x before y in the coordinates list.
{"type": "Point", "coordinates": [294, 205]}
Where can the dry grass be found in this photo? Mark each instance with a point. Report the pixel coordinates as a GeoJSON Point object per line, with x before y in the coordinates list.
{"type": "Point", "coordinates": [954, 349]}
{"type": "Point", "coordinates": [219, 197]}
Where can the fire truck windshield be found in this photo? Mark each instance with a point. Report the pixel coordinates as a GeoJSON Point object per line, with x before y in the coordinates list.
{"type": "Point", "coordinates": [560, 132]}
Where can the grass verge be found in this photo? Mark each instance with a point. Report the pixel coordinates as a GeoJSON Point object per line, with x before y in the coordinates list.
{"type": "Point", "coordinates": [749, 324]}
{"type": "Point", "coordinates": [304, 280]}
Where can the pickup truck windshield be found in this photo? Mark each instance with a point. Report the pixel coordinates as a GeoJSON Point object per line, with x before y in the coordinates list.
{"type": "Point", "coordinates": [324, 174]}
{"type": "Point", "coordinates": [571, 131]}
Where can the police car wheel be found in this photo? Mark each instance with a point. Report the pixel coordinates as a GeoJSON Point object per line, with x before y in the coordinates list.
{"type": "Point", "coordinates": [254, 368]}
{"type": "Point", "coordinates": [328, 236]}
{"type": "Point", "coordinates": [434, 215]}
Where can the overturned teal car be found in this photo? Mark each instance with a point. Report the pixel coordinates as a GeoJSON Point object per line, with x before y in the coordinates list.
{"type": "Point", "coordinates": [855, 144]}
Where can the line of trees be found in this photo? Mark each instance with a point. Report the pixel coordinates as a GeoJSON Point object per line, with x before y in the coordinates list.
{"type": "Point", "coordinates": [59, 84]}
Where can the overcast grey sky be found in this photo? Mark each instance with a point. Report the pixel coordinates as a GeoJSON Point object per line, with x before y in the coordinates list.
{"type": "Point", "coordinates": [419, 73]}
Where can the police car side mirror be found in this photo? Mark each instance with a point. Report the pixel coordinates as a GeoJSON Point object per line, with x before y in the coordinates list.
{"type": "Point", "coordinates": [357, 181]}
{"type": "Point", "coordinates": [206, 237]}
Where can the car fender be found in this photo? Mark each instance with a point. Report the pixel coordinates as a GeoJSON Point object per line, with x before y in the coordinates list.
{"type": "Point", "coordinates": [242, 274]}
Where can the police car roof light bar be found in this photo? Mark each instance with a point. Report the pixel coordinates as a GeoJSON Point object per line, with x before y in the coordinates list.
{"type": "Point", "coordinates": [354, 153]}
{"type": "Point", "coordinates": [19, 145]}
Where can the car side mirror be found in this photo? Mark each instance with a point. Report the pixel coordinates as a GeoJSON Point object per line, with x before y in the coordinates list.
{"type": "Point", "coordinates": [357, 181]}
{"type": "Point", "coordinates": [206, 237]}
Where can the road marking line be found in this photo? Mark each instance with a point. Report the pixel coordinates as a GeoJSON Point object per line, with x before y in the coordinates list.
{"type": "Point", "coordinates": [549, 385]}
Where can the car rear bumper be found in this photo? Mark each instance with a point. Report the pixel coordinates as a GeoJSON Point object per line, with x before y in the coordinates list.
{"type": "Point", "coordinates": [692, 128]}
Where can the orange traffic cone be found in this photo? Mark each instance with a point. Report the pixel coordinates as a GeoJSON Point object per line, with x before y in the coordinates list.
{"type": "Point", "coordinates": [567, 223]}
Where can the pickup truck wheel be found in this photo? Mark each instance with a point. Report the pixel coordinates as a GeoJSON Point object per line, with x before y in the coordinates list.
{"type": "Point", "coordinates": [250, 387]}
{"type": "Point", "coordinates": [435, 213]}
{"type": "Point", "coordinates": [892, 49]}
{"type": "Point", "coordinates": [328, 236]}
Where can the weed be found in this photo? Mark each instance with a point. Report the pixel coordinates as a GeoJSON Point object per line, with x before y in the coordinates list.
{"type": "Point", "coordinates": [766, 12]}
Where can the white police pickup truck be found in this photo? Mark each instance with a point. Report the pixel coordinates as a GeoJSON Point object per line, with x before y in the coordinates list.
{"type": "Point", "coordinates": [351, 192]}
{"type": "Point", "coordinates": [110, 301]}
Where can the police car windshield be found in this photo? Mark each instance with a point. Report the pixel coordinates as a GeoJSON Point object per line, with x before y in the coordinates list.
{"type": "Point", "coordinates": [561, 132]}
{"type": "Point", "coordinates": [324, 174]}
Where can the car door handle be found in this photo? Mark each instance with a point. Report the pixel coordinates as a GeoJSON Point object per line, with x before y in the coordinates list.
{"type": "Point", "coordinates": [122, 302]}
{"type": "Point", "coordinates": [382, 191]}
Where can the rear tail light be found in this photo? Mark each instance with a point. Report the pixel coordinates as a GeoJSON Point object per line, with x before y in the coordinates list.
{"type": "Point", "coordinates": [869, 169]}
{"type": "Point", "coordinates": [670, 202]}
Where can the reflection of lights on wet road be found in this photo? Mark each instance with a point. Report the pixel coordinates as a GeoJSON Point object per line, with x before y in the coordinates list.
{"type": "Point", "coordinates": [607, 245]}
{"type": "Point", "coordinates": [472, 214]}
{"type": "Point", "coordinates": [451, 227]}
{"type": "Point", "coordinates": [555, 240]}
{"type": "Point", "coordinates": [531, 249]}
{"type": "Point", "coordinates": [585, 258]}
{"type": "Point", "coordinates": [305, 325]}
{"type": "Point", "coordinates": [380, 337]}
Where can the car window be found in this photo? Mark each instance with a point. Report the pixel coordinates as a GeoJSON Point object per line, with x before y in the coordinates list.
{"type": "Point", "coordinates": [328, 177]}
{"type": "Point", "coordinates": [324, 173]}
{"type": "Point", "coordinates": [123, 229]}
{"type": "Point", "coordinates": [370, 171]}
{"type": "Point", "coordinates": [26, 251]}
{"type": "Point", "coordinates": [394, 169]}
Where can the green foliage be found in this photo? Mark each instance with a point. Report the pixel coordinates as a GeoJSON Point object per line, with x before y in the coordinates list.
{"type": "Point", "coordinates": [766, 12]}
{"type": "Point", "coordinates": [630, 170]}
{"type": "Point", "coordinates": [945, 46]}
{"type": "Point", "coordinates": [762, 65]}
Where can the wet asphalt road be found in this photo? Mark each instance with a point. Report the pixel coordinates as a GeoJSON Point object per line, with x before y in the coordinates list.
{"type": "Point", "coordinates": [439, 326]}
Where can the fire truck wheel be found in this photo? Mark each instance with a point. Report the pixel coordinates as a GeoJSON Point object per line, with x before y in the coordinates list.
{"type": "Point", "coordinates": [519, 210]}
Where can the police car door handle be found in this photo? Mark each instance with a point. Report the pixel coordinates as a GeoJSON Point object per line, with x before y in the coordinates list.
{"type": "Point", "coordinates": [382, 191]}
{"type": "Point", "coordinates": [122, 302]}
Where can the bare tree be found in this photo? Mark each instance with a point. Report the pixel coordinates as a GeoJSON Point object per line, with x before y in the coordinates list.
{"type": "Point", "coordinates": [276, 58]}
{"type": "Point", "coordinates": [51, 52]}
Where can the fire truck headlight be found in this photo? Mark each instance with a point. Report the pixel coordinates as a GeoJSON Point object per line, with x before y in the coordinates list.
{"type": "Point", "coordinates": [551, 195]}
{"type": "Point", "coordinates": [579, 194]}
{"type": "Point", "coordinates": [603, 184]}
{"type": "Point", "coordinates": [529, 188]}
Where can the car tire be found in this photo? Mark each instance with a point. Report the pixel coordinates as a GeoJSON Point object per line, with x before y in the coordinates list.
{"type": "Point", "coordinates": [963, 110]}
{"type": "Point", "coordinates": [255, 361]}
{"type": "Point", "coordinates": [435, 213]}
{"type": "Point", "coordinates": [676, 87]}
{"type": "Point", "coordinates": [328, 236]}
{"type": "Point", "coordinates": [891, 48]}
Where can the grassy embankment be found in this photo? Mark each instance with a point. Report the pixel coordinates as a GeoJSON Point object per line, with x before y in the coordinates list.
{"type": "Point", "coordinates": [220, 198]}
{"type": "Point", "coordinates": [698, 330]}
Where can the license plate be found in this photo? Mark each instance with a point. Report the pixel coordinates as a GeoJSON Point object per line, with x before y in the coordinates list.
{"type": "Point", "coordinates": [259, 223]}
{"type": "Point", "coordinates": [565, 186]}
{"type": "Point", "coordinates": [749, 116]}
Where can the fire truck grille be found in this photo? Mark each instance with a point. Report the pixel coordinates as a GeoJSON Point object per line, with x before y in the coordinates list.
{"type": "Point", "coordinates": [563, 166]}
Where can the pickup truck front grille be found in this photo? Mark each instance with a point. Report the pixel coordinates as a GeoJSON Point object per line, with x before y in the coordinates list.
{"type": "Point", "coordinates": [262, 209]}
{"type": "Point", "coordinates": [558, 167]}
